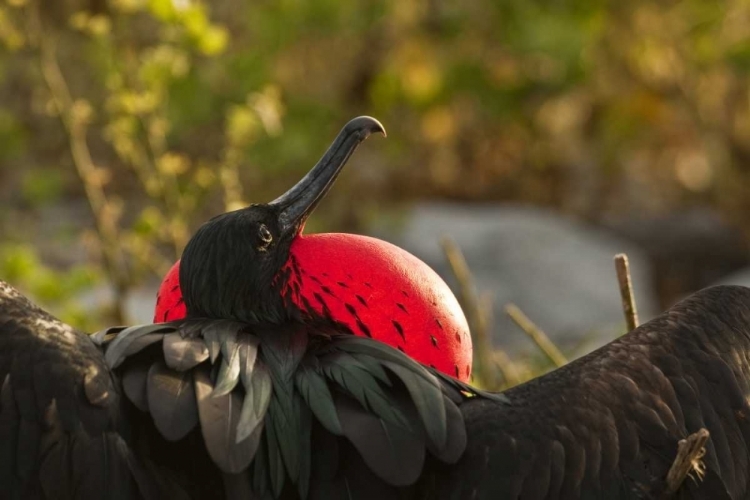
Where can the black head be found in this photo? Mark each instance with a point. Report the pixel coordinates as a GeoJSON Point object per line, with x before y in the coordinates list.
{"type": "Point", "coordinates": [230, 267]}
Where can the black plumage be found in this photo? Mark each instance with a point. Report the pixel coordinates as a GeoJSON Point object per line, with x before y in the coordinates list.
{"type": "Point", "coordinates": [317, 424]}
{"type": "Point", "coordinates": [63, 426]}
{"type": "Point", "coordinates": [604, 426]}
{"type": "Point", "coordinates": [607, 424]}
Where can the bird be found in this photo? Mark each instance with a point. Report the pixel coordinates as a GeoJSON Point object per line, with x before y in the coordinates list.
{"type": "Point", "coordinates": [251, 395]}
{"type": "Point", "coordinates": [373, 288]}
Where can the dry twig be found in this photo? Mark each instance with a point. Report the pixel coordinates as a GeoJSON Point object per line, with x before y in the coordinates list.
{"type": "Point", "coordinates": [536, 334]}
{"type": "Point", "coordinates": [688, 460]}
{"type": "Point", "coordinates": [626, 290]}
{"type": "Point", "coordinates": [491, 356]}
{"type": "Point", "coordinates": [478, 314]}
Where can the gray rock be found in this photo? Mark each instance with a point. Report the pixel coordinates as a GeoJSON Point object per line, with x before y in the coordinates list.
{"type": "Point", "coordinates": [688, 250]}
{"type": "Point", "coordinates": [558, 271]}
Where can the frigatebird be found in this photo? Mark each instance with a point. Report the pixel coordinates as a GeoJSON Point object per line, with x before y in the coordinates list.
{"type": "Point", "coordinates": [262, 391]}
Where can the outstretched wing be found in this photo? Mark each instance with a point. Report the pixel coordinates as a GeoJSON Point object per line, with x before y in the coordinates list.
{"type": "Point", "coordinates": [287, 413]}
{"type": "Point", "coordinates": [607, 425]}
{"type": "Point", "coordinates": [61, 415]}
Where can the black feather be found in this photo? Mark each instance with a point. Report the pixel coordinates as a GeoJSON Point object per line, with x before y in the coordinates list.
{"type": "Point", "coordinates": [221, 336]}
{"type": "Point", "coordinates": [257, 398]}
{"type": "Point", "coordinates": [305, 448]}
{"type": "Point", "coordinates": [213, 343]}
{"type": "Point", "coordinates": [134, 383]}
{"type": "Point", "coordinates": [182, 354]}
{"type": "Point", "coordinates": [238, 486]}
{"type": "Point", "coordinates": [354, 481]}
{"type": "Point", "coordinates": [394, 454]}
{"type": "Point", "coordinates": [9, 421]}
{"type": "Point", "coordinates": [455, 443]}
{"type": "Point", "coordinates": [283, 348]}
{"type": "Point", "coordinates": [96, 385]}
{"type": "Point", "coordinates": [248, 351]}
{"type": "Point", "coordinates": [314, 390]}
{"type": "Point", "coordinates": [284, 414]}
{"type": "Point", "coordinates": [358, 381]}
{"type": "Point", "coordinates": [171, 401]}
{"type": "Point", "coordinates": [229, 374]}
{"type": "Point", "coordinates": [219, 417]}
{"type": "Point", "coordinates": [428, 398]}
{"type": "Point", "coordinates": [275, 462]}
{"type": "Point", "coordinates": [132, 339]}
{"type": "Point", "coordinates": [261, 468]}
{"type": "Point", "coordinates": [326, 445]}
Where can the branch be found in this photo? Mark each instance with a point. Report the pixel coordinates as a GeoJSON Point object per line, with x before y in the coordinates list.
{"type": "Point", "coordinates": [622, 266]}
{"type": "Point", "coordinates": [688, 459]}
{"type": "Point", "coordinates": [536, 334]}
{"type": "Point", "coordinates": [73, 116]}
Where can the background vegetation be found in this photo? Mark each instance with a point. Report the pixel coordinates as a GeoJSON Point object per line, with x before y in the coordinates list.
{"type": "Point", "coordinates": [125, 123]}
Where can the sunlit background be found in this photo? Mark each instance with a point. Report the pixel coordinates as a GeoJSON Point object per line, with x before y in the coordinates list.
{"type": "Point", "coordinates": [542, 137]}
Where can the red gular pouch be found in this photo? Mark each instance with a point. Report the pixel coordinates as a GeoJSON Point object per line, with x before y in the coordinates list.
{"type": "Point", "coordinates": [372, 287]}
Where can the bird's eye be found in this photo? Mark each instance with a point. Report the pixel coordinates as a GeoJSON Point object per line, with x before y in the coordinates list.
{"type": "Point", "coordinates": [265, 235]}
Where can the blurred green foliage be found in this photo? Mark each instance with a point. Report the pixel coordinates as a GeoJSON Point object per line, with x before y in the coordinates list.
{"type": "Point", "coordinates": [160, 113]}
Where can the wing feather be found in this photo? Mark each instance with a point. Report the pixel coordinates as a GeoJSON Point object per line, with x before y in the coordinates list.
{"type": "Point", "coordinates": [171, 401]}
{"type": "Point", "coordinates": [219, 417]}
{"type": "Point", "coordinates": [61, 413]}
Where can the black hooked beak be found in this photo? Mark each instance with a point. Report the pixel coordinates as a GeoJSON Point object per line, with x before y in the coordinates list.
{"type": "Point", "coordinates": [298, 203]}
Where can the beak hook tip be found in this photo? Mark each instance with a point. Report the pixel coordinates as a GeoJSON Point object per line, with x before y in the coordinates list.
{"type": "Point", "coordinates": [366, 124]}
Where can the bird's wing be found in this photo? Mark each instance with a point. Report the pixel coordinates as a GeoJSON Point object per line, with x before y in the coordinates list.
{"type": "Point", "coordinates": [607, 425]}
{"type": "Point", "coordinates": [61, 419]}
{"type": "Point", "coordinates": [285, 412]}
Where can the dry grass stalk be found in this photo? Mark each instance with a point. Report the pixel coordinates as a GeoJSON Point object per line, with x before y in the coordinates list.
{"type": "Point", "coordinates": [478, 314]}
{"type": "Point", "coordinates": [536, 334]}
{"type": "Point", "coordinates": [491, 357]}
{"type": "Point", "coordinates": [688, 460]}
{"type": "Point", "coordinates": [626, 290]}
